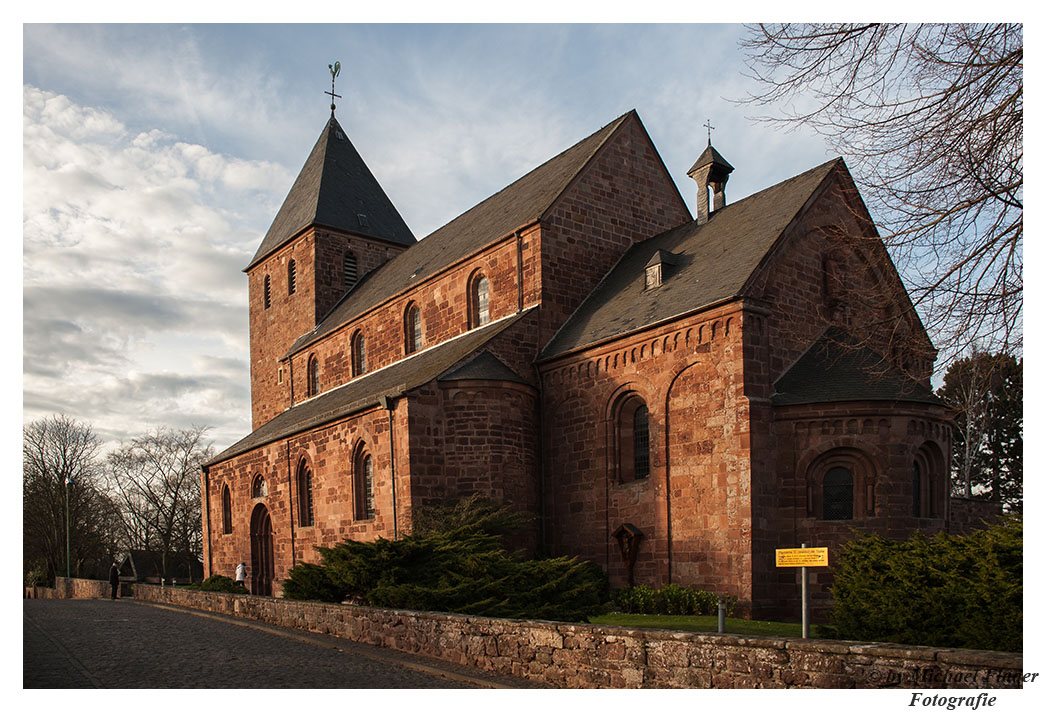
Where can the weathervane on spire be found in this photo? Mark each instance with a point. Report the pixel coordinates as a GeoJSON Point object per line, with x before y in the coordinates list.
{"type": "Point", "coordinates": [708, 131]}
{"type": "Point", "coordinates": [335, 68]}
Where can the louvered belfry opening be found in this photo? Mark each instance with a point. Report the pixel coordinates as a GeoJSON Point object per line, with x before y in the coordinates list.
{"type": "Point", "coordinates": [349, 275]}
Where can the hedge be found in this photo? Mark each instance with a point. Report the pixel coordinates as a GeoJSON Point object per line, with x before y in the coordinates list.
{"type": "Point", "coordinates": [961, 591]}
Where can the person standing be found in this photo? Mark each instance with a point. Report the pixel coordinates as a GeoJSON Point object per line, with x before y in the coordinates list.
{"type": "Point", "coordinates": [241, 574]}
{"type": "Point", "coordinates": [114, 579]}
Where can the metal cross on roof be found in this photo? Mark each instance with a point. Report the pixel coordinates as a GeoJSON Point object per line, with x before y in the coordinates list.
{"type": "Point", "coordinates": [335, 68]}
{"type": "Point", "coordinates": [709, 131]}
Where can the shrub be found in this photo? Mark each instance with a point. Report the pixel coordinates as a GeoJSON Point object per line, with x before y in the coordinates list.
{"type": "Point", "coordinates": [218, 583]}
{"type": "Point", "coordinates": [310, 581]}
{"type": "Point", "coordinates": [672, 599]}
{"type": "Point", "coordinates": [951, 590]}
{"type": "Point", "coordinates": [454, 563]}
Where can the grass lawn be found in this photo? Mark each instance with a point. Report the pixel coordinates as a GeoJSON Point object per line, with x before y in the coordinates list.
{"type": "Point", "coordinates": [700, 623]}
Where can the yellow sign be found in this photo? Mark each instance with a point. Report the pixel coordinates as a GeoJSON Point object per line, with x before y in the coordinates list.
{"type": "Point", "coordinates": [802, 557]}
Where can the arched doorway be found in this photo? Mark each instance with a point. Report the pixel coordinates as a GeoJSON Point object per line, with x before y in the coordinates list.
{"type": "Point", "coordinates": [261, 551]}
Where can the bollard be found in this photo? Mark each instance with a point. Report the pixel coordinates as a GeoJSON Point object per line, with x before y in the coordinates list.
{"type": "Point", "coordinates": [721, 617]}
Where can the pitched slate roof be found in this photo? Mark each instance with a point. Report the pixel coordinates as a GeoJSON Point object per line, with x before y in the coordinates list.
{"type": "Point", "coordinates": [366, 391]}
{"type": "Point", "coordinates": [713, 262]}
{"type": "Point", "coordinates": [838, 368]}
{"type": "Point", "coordinates": [522, 202]}
{"type": "Point", "coordinates": [334, 188]}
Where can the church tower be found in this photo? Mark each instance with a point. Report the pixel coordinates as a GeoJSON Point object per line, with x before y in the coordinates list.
{"type": "Point", "coordinates": [335, 225]}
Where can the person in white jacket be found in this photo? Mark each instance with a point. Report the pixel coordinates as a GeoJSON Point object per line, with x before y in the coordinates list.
{"type": "Point", "coordinates": [241, 574]}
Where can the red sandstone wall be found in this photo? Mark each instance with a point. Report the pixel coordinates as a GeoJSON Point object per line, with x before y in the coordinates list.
{"type": "Point", "coordinates": [810, 281]}
{"type": "Point", "coordinates": [476, 438]}
{"type": "Point", "coordinates": [814, 279]}
{"type": "Point", "coordinates": [885, 435]}
{"type": "Point", "coordinates": [689, 375]}
{"type": "Point", "coordinates": [443, 302]}
{"type": "Point", "coordinates": [329, 452]}
{"type": "Point", "coordinates": [623, 196]}
{"type": "Point", "coordinates": [318, 266]}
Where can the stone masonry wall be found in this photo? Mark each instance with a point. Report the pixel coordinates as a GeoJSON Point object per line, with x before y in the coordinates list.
{"type": "Point", "coordinates": [688, 374]}
{"type": "Point", "coordinates": [966, 515]}
{"type": "Point", "coordinates": [71, 588]}
{"type": "Point", "coordinates": [590, 656]}
{"type": "Point", "coordinates": [328, 452]}
{"type": "Point", "coordinates": [442, 300]}
{"type": "Point", "coordinates": [623, 196]}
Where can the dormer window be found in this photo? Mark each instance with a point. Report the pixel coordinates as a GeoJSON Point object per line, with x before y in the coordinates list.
{"type": "Point", "coordinates": [653, 277]}
{"type": "Point", "coordinates": [657, 269]}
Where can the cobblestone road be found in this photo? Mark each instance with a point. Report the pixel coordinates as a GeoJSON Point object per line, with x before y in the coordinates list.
{"type": "Point", "coordinates": [98, 643]}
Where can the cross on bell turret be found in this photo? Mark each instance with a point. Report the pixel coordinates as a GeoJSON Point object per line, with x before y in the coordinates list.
{"type": "Point", "coordinates": [711, 170]}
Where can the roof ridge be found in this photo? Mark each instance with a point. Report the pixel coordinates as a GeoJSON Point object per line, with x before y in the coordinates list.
{"type": "Point", "coordinates": [430, 265]}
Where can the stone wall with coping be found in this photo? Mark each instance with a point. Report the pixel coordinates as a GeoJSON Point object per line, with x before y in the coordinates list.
{"type": "Point", "coordinates": [591, 656]}
{"type": "Point", "coordinates": [70, 588]}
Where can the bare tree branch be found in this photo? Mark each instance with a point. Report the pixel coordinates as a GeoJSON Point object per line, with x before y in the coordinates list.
{"type": "Point", "coordinates": [929, 118]}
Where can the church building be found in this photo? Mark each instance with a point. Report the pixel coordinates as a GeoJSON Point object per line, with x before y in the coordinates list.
{"type": "Point", "coordinates": [672, 397]}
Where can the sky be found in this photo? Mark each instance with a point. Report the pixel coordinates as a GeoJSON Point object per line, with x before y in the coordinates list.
{"type": "Point", "coordinates": [156, 156]}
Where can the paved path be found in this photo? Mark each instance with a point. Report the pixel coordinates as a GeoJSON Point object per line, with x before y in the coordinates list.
{"type": "Point", "coordinates": [98, 643]}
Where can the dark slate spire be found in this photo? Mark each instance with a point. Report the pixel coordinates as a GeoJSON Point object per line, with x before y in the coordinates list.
{"type": "Point", "coordinates": [335, 189]}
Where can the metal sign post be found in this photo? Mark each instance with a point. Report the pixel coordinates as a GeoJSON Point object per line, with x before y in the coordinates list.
{"type": "Point", "coordinates": [803, 557]}
{"type": "Point", "coordinates": [804, 624]}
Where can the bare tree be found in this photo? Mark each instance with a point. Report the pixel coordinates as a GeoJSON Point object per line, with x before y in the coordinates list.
{"type": "Point", "coordinates": [986, 394]}
{"type": "Point", "coordinates": [156, 480]}
{"type": "Point", "coordinates": [929, 119]}
{"type": "Point", "coordinates": [60, 469]}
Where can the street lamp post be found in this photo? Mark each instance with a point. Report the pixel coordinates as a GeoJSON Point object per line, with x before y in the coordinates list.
{"type": "Point", "coordinates": [68, 482]}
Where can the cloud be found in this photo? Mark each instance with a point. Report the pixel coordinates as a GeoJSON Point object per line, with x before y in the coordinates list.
{"type": "Point", "coordinates": [132, 259]}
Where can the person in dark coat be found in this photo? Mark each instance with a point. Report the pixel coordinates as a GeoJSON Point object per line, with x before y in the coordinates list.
{"type": "Point", "coordinates": [114, 578]}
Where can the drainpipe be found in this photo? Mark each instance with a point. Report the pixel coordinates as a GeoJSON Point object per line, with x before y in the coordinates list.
{"type": "Point", "coordinates": [287, 455]}
{"type": "Point", "coordinates": [387, 403]}
{"type": "Point", "coordinates": [207, 506]}
{"type": "Point", "coordinates": [290, 498]}
{"type": "Point", "coordinates": [519, 273]}
{"type": "Point", "coordinates": [541, 465]}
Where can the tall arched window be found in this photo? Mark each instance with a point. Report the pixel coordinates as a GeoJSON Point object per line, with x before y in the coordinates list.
{"type": "Point", "coordinates": [928, 481]}
{"type": "Point", "coordinates": [313, 377]}
{"type": "Point", "coordinates": [227, 511]}
{"type": "Point", "coordinates": [267, 292]}
{"type": "Point", "coordinates": [412, 329]}
{"type": "Point", "coordinates": [838, 494]}
{"type": "Point", "coordinates": [348, 269]}
{"type": "Point", "coordinates": [305, 494]}
{"type": "Point", "coordinates": [359, 353]}
{"type": "Point", "coordinates": [633, 439]}
{"type": "Point", "coordinates": [479, 301]}
{"type": "Point", "coordinates": [917, 490]}
{"type": "Point", "coordinates": [292, 277]}
{"type": "Point", "coordinates": [363, 471]}
{"type": "Point", "coordinates": [641, 444]}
